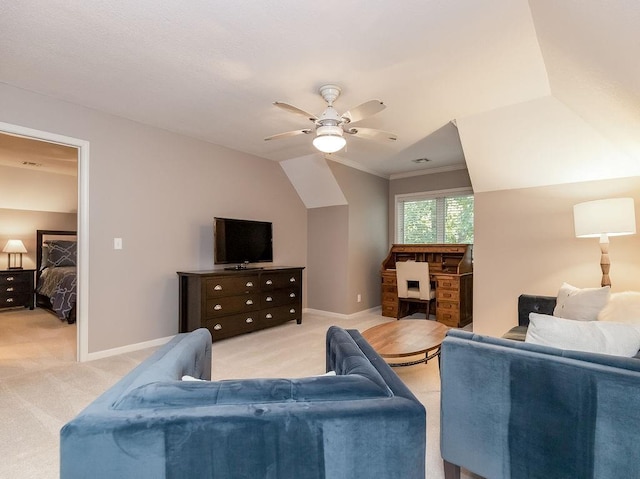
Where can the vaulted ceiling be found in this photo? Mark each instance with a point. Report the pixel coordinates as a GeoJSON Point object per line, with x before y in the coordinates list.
{"type": "Point", "coordinates": [527, 93]}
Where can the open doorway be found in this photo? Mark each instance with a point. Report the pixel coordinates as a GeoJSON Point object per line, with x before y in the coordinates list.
{"type": "Point", "coordinates": [49, 158]}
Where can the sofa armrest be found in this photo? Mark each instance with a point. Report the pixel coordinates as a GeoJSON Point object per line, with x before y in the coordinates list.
{"type": "Point", "coordinates": [528, 303]}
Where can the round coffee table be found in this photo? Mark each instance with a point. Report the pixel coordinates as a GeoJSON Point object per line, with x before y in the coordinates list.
{"type": "Point", "coordinates": [407, 337]}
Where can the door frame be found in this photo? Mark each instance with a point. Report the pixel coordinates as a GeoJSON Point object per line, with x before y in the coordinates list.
{"type": "Point", "coordinates": [82, 305]}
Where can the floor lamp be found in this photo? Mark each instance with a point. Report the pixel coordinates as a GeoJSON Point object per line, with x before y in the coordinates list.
{"type": "Point", "coordinates": [604, 218]}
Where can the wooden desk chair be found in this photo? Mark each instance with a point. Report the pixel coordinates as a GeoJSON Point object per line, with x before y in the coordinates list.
{"type": "Point", "coordinates": [414, 287]}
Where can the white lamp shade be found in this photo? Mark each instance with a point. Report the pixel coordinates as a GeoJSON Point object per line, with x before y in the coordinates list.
{"type": "Point", "coordinates": [611, 217]}
{"type": "Point", "coordinates": [14, 246]}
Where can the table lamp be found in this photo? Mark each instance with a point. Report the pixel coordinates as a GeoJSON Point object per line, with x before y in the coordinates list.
{"type": "Point", "coordinates": [604, 218]}
{"type": "Point", "coordinates": [14, 248]}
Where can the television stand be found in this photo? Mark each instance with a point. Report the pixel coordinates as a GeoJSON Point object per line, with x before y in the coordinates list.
{"type": "Point", "coordinates": [234, 301]}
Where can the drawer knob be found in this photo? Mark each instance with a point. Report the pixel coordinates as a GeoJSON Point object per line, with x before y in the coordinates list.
{"type": "Point", "coordinates": [249, 284]}
{"type": "Point", "coordinates": [269, 316]}
{"type": "Point", "coordinates": [10, 278]}
{"type": "Point", "coordinates": [292, 295]}
{"type": "Point", "coordinates": [217, 327]}
{"type": "Point", "coordinates": [248, 320]}
{"type": "Point", "coordinates": [217, 307]}
{"type": "Point", "coordinates": [269, 282]}
{"type": "Point", "coordinates": [292, 279]}
{"type": "Point", "coordinates": [218, 287]}
{"type": "Point", "coordinates": [249, 302]}
{"type": "Point", "coordinates": [9, 289]}
{"type": "Point", "coordinates": [292, 310]}
{"type": "Point", "coordinates": [269, 298]}
{"type": "Point", "coordinates": [9, 300]}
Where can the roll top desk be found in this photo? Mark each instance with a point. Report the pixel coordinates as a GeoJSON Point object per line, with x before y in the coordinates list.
{"type": "Point", "coordinates": [451, 271]}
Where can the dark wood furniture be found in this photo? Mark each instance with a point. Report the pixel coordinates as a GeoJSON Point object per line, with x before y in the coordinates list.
{"type": "Point", "coordinates": [233, 302]}
{"type": "Point", "coordinates": [407, 337]}
{"type": "Point", "coordinates": [451, 270]}
{"type": "Point", "coordinates": [43, 301]}
{"type": "Point", "coordinates": [17, 288]}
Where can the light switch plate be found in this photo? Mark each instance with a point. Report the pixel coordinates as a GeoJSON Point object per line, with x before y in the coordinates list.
{"type": "Point", "coordinates": [117, 243]}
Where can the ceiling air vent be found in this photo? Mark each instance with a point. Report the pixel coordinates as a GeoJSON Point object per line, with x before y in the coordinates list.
{"type": "Point", "coordinates": [421, 160]}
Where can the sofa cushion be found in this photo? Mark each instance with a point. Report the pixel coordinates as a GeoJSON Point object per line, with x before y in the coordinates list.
{"type": "Point", "coordinates": [580, 304]}
{"type": "Point", "coordinates": [250, 391]}
{"type": "Point", "coordinates": [591, 336]}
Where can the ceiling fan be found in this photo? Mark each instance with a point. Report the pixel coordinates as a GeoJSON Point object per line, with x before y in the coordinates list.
{"type": "Point", "coordinates": [330, 127]}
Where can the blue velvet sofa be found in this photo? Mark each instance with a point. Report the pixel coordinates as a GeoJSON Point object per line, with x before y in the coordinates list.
{"type": "Point", "coordinates": [362, 422]}
{"type": "Point", "coordinates": [511, 409]}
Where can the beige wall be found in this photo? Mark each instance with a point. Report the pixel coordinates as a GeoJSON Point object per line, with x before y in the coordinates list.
{"type": "Point", "coordinates": [30, 189]}
{"type": "Point", "coordinates": [22, 225]}
{"type": "Point", "coordinates": [368, 223]}
{"type": "Point", "coordinates": [328, 256]}
{"type": "Point", "coordinates": [159, 192]}
{"type": "Point", "coordinates": [418, 184]}
{"type": "Point", "coordinates": [525, 243]}
{"type": "Point", "coordinates": [348, 243]}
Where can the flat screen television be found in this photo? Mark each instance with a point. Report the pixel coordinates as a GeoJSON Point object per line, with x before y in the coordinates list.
{"type": "Point", "coordinates": [242, 241]}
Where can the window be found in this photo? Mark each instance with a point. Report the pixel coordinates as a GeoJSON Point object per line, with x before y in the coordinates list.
{"type": "Point", "coordinates": [435, 217]}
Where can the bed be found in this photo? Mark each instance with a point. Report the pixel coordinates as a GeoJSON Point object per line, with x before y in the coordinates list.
{"type": "Point", "coordinates": [56, 278]}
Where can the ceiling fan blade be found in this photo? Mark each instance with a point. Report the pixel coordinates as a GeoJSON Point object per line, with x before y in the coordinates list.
{"type": "Point", "coordinates": [366, 109]}
{"type": "Point", "coordinates": [371, 133]}
{"type": "Point", "coordinates": [295, 109]}
{"type": "Point", "coordinates": [288, 134]}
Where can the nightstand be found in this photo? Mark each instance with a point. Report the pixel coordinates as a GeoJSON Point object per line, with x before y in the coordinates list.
{"type": "Point", "coordinates": [17, 288]}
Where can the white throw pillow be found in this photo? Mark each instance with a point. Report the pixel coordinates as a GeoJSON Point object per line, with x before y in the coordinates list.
{"type": "Point", "coordinates": [622, 308]}
{"type": "Point", "coordinates": [191, 378]}
{"type": "Point", "coordinates": [616, 339]}
{"type": "Point", "coordinates": [581, 304]}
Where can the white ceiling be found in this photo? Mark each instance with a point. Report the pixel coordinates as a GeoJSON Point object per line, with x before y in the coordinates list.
{"type": "Point", "coordinates": [525, 81]}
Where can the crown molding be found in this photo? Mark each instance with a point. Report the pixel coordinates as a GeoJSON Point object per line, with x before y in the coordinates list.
{"type": "Point", "coordinates": [429, 171]}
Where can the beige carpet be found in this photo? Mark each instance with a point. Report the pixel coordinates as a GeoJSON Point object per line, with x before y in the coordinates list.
{"type": "Point", "coordinates": [42, 387]}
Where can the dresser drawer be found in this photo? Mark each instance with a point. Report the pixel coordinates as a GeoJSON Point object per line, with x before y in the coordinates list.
{"type": "Point", "coordinates": [232, 325]}
{"type": "Point", "coordinates": [8, 300]}
{"type": "Point", "coordinates": [390, 309]}
{"type": "Point", "coordinates": [275, 280]}
{"type": "Point", "coordinates": [231, 304]}
{"type": "Point", "coordinates": [449, 318]}
{"type": "Point", "coordinates": [282, 314]}
{"type": "Point", "coordinates": [15, 288]}
{"type": "Point", "coordinates": [448, 283]}
{"type": "Point", "coordinates": [280, 297]}
{"type": "Point", "coordinates": [448, 294]}
{"type": "Point", "coordinates": [230, 285]}
{"type": "Point", "coordinates": [18, 279]}
{"type": "Point", "coordinates": [390, 280]}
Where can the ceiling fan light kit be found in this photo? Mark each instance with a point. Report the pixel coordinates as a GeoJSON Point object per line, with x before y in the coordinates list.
{"type": "Point", "coordinates": [330, 126]}
{"type": "Point", "coordinates": [329, 139]}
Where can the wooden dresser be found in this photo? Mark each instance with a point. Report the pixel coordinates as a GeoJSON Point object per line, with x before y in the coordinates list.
{"type": "Point", "coordinates": [233, 302]}
{"type": "Point", "coordinates": [451, 270]}
{"type": "Point", "coordinates": [17, 288]}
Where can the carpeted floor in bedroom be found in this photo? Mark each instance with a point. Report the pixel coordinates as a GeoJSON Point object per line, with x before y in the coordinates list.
{"type": "Point", "coordinates": [42, 386]}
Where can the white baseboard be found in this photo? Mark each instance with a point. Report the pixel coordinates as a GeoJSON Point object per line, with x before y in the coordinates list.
{"type": "Point", "coordinates": [128, 349]}
{"type": "Point", "coordinates": [321, 312]}
{"type": "Point", "coordinates": [160, 341]}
